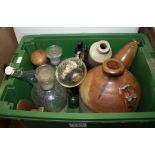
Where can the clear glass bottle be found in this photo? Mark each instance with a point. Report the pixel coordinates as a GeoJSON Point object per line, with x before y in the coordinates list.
{"type": "Point", "coordinates": [46, 91]}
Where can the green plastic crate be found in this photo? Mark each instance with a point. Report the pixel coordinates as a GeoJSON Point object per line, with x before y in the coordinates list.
{"type": "Point", "coordinates": [12, 90]}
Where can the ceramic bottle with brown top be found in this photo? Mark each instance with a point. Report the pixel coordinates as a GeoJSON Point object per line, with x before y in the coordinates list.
{"type": "Point", "coordinates": [127, 53]}
{"type": "Point", "coordinates": [109, 87]}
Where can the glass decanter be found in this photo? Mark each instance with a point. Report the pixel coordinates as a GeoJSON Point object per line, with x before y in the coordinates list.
{"type": "Point", "coordinates": [46, 91]}
{"type": "Point", "coordinates": [29, 75]}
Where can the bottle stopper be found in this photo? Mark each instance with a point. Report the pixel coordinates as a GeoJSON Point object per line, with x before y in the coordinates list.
{"type": "Point", "coordinates": [45, 75]}
{"type": "Point", "coordinates": [54, 53]}
{"type": "Point", "coordinates": [9, 70]}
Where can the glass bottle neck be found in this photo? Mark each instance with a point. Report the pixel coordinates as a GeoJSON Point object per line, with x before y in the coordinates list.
{"type": "Point", "coordinates": [28, 76]}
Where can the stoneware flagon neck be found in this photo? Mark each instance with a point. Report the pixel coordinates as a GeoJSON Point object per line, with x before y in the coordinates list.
{"type": "Point", "coordinates": [109, 88]}
{"type": "Point", "coordinates": [127, 53]}
{"type": "Point", "coordinates": [113, 67]}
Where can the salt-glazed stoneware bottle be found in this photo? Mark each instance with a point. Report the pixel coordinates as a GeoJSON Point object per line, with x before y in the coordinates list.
{"type": "Point", "coordinates": [99, 52]}
{"type": "Point", "coordinates": [127, 53]}
{"type": "Point", "coordinates": [109, 87]}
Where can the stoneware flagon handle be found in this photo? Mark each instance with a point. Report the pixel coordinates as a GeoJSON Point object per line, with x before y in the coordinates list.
{"type": "Point", "coordinates": [128, 93]}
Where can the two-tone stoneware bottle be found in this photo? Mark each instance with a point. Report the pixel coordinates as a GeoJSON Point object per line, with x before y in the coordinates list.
{"type": "Point", "coordinates": [110, 87]}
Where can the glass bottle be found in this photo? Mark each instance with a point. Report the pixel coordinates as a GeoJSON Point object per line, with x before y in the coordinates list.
{"type": "Point", "coordinates": [84, 51]}
{"type": "Point", "coordinates": [81, 52]}
{"type": "Point", "coordinates": [20, 73]}
{"type": "Point", "coordinates": [46, 91]}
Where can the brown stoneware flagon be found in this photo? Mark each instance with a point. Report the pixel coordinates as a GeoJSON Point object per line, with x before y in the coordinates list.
{"type": "Point", "coordinates": [109, 87]}
{"type": "Point", "coordinates": [127, 53]}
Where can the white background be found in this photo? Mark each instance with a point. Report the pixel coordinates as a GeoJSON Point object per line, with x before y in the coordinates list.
{"type": "Point", "coordinates": [77, 13]}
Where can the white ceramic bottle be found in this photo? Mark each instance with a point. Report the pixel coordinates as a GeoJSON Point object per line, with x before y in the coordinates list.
{"type": "Point", "coordinates": [99, 52]}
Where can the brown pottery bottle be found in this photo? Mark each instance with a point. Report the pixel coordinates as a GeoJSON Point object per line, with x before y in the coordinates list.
{"type": "Point", "coordinates": [109, 87]}
{"type": "Point", "coordinates": [127, 53]}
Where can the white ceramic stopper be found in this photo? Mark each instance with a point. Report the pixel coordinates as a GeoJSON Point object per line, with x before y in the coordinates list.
{"type": "Point", "coordinates": [9, 70]}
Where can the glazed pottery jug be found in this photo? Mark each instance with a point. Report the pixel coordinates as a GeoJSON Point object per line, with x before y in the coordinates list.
{"type": "Point", "coordinates": [99, 52]}
{"type": "Point", "coordinates": [109, 87]}
{"type": "Point", "coordinates": [127, 53]}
